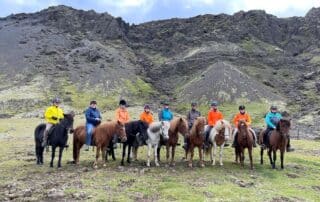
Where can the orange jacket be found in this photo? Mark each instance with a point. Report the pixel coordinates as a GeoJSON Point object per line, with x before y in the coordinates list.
{"type": "Point", "coordinates": [213, 117]}
{"type": "Point", "coordinates": [240, 116]}
{"type": "Point", "coordinates": [146, 117]}
{"type": "Point", "coordinates": [122, 115]}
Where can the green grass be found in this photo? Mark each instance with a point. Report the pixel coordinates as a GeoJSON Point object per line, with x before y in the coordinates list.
{"type": "Point", "coordinates": [138, 183]}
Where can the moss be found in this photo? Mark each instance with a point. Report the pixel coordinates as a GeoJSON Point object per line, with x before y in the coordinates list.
{"type": "Point", "coordinates": [139, 90]}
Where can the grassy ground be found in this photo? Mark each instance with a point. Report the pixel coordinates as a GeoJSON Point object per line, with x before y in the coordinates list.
{"type": "Point", "coordinates": [22, 179]}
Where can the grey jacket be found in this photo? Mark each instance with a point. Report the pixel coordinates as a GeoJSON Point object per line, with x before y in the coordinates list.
{"type": "Point", "coordinates": [192, 115]}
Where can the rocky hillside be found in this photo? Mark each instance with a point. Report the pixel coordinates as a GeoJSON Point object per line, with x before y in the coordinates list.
{"type": "Point", "coordinates": [80, 55]}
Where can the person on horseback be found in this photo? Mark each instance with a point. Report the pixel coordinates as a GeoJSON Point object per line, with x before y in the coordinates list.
{"type": "Point", "coordinates": [272, 118]}
{"type": "Point", "coordinates": [93, 119]}
{"type": "Point", "coordinates": [214, 115]}
{"type": "Point", "coordinates": [191, 116]}
{"type": "Point", "coordinates": [146, 115]}
{"type": "Point", "coordinates": [121, 115]}
{"type": "Point", "coordinates": [242, 115]}
{"type": "Point", "coordinates": [52, 115]}
{"type": "Point", "coordinates": [165, 114]}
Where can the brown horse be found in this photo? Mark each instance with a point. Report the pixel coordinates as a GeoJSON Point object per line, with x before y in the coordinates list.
{"type": "Point", "coordinates": [277, 140]}
{"type": "Point", "coordinates": [101, 137]}
{"type": "Point", "coordinates": [196, 139]}
{"type": "Point", "coordinates": [177, 125]}
{"type": "Point", "coordinates": [245, 140]}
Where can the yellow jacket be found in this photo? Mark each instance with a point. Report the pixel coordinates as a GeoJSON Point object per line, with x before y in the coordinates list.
{"type": "Point", "coordinates": [53, 114]}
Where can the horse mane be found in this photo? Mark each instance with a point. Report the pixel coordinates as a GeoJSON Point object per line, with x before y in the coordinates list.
{"type": "Point", "coordinates": [175, 125]}
{"type": "Point", "coordinates": [198, 124]}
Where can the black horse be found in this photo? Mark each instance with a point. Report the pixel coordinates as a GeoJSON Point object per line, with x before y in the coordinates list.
{"type": "Point", "coordinates": [58, 137]}
{"type": "Point", "coordinates": [132, 129]}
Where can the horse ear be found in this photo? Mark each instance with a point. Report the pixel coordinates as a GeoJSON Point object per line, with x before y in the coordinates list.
{"type": "Point", "coordinates": [181, 119]}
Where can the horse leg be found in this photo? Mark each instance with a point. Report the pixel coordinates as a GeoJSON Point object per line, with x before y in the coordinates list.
{"type": "Point", "coordinates": [191, 155]}
{"type": "Point", "coordinates": [173, 150]}
{"type": "Point", "coordinates": [37, 154]}
{"type": "Point", "coordinates": [129, 154]}
{"type": "Point", "coordinates": [52, 155]}
{"type": "Point", "coordinates": [250, 157]}
{"type": "Point", "coordinates": [41, 149]}
{"type": "Point", "coordinates": [149, 153]}
{"type": "Point", "coordinates": [167, 153]}
{"type": "Point", "coordinates": [60, 156]}
{"type": "Point", "coordinates": [281, 157]}
{"type": "Point", "coordinates": [269, 154]}
{"type": "Point", "coordinates": [112, 153]}
{"type": "Point", "coordinates": [95, 164]}
{"type": "Point", "coordinates": [261, 156]}
{"type": "Point", "coordinates": [123, 153]}
{"type": "Point", "coordinates": [134, 153]}
{"type": "Point", "coordinates": [242, 157]}
{"type": "Point", "coordinates": [274, 159]}
{"type": "Point", "coordinates": [156, 155]}
{"type": "Point", "coordinates": [214, 153]}
{"type": "Point", "coordinates": [103, 154]}
{"type": "Point", "coordinates": [158, 152]}
{"type": "Point", "coordinates": [201, 156]}
{"type": "Point", "coordinates": [221, 152]}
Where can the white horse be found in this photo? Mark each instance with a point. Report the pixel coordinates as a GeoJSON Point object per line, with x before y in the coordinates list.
{"type": "Point", "coordinates": [155, 130]}
{"type": "Point", "coordinates": [218, 136]}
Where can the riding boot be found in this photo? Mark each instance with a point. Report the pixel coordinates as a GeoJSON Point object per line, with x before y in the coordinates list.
{"type": "Point", "coordinates": [206, 141]}
{"type": "Point", "coordinates": [289, 148]}
{"type": "Point", "coordinates": [235, 143]}
{"type": "Point", "coordinates": [254, 141]}
{"type": "Point", "coordinates": [45, 139]}
{"type": "Point", "coordinates": [185, 145]}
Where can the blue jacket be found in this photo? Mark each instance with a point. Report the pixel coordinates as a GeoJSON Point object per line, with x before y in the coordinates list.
{"type": "Point", "coordinates": [165, 115]}
{"type": "Point", "coordinates": [91, 114]}
{"type": "Point", "coordinates": [272, 119]}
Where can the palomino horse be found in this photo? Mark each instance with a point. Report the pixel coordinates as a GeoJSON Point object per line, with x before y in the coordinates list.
{"type": "Point", "coordinates": [177, 125]}
{"type": "Point", "coordinates": [245, 140]}
{"type": "Point", "coordinates": [218, 136]}
{"type": "Point", "coordinates": [155, 130]}
{"type": "Point", "coordinates": [58, 137]}
{"type": "Point", "coordinates": [277, 140]}
{"type": "Point", "coordinates": [196, 139]}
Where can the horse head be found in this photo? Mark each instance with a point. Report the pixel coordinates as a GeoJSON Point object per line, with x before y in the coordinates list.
{"type": "Point", "coordinates": [283, 126]}
{"type": "Point", "coordinates": [242, 126]}
{"type": "Point", "coordinates": [183, 126]}
{"type": "Point", "coordinates": [164, 129]}
{"type": "Point", "coordinates": [121, 131]}
{"type": "Point", "coordinates": [67, 121]}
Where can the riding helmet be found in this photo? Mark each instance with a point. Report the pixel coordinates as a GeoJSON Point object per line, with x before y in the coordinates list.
{"type": "Point", "coordinates": [93, 102]}
{"type": "Point", "coordinates": [214, 103]}
{"type": "Point", "coordinates": [56, 100]}
{"type": "Point", "coordinates": [146, 106]}
{"type": "Point", "coordinates": [242, 107]}
{"type": "Point", "coordinates": [273, 107]}
{"type": "Point", "coordinates": [122, 102]}
{"type": "Point", "coordinates": [193, 104]}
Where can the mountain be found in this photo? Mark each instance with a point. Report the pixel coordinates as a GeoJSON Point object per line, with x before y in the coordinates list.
{"type": "Point", "coordinates": [82, 55]}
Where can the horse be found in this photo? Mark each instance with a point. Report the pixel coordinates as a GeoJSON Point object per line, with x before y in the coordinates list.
{"type": "Point", "coordinates": [218, 136]}
{"type": "Point", "coordinates": [277, 140]}
{"type": "Point", "coordinates": [177, 125]}
{"type": "Point", "coordinates": [155, 130]}
{"type": "Point", "coordinates": [57, 137]}
{"type": "Point", "coordinates": [132, 129]}
{"type": "Point", "coordinates": [196, 139]}
{"type": "Point", "coordinates": [245, 140]}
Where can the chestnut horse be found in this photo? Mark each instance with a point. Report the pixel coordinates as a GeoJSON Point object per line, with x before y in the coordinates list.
{"type": "Point", "coordinates": [218, 136]}
{"type": "Point", "coordinates": [177, 125]}
{"type": "Point", "coordinates": [196, 139]}
{"type": "Point", "coordinates": [101, 137]}
{"type": "Point", "coordinates": [245, 140]}
{"type": "Point", "coordinates": [277, 140]}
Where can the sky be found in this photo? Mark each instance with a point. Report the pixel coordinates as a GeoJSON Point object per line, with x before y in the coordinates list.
{"type": "Point", "coordinates": [138, 11]}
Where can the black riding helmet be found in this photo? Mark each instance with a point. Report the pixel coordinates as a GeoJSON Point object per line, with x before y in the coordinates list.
{"type": "Point", "coordinates": [273, 107]}
{"type": "Point", "coordinates": [242, 107]}
{"type": "Point", "coordinates": [193, 104]}
{"type": "Point", "coordinates": [122, 102]}
{"type": "Point", "coordinates": [56, 100]}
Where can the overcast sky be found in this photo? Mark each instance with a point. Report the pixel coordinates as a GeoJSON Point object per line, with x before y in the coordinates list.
{"type": "Point", "coordinates": [137, 11]}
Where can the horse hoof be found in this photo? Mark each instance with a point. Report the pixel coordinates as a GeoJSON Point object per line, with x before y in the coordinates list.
{"type": "Point", "coordinates": [104, 165]}
{"type": "Point", "coordinates": [95, 167]}
{"type": "Point", "coordinates": [51, 166]}
{"type": "Point", "coordinates": [148, 164]}
{"type": "Point", "coordinates": [173, 164]}
{"type": "Point", "coordinates": [202, 165]}
{"type": "Point", "coordinates": [157, 164]}
{"type": "Point", "coordinates": [221, 164]}
{"type": "Point", "coordinates": [167, 165]}
{"type": "Point", "coordinates": [190, 165]}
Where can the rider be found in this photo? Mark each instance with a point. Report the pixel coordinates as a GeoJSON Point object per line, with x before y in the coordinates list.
{"type": "Point", "coordinates": [93, 118]}
{"type": "Point", "coordinates": [272, 119]}
{"type": "Point", "coordinates": [145, 116]}
{"type": "Point", "coordinates": [191, 117]}
{"type": "Point", "coordinates": [214, 115]}
{"type": "Point", "coordinates": [121, 115]}
{"type": "Point", "coordinates": [165, 114]}
{"type": "Point", "coordinates": [53, 115]}
{"type": "Point", "coordinates": [242, 115]}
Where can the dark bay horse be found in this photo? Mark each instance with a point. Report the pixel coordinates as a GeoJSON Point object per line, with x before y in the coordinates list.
{"type": "Point", "coordinates": [196, 139]}
{"type": "Point", "coordinates": [57, 137]}
{"type": "Point", "coordinates": [245, 140]}
{"type": "Point", "coordinates": [277, 140]}
{"type": "Point", "coordinates": [177, 125]}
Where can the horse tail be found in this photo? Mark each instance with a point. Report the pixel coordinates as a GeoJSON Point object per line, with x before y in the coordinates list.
{"type": "Point", "coordinates": [75, 145]}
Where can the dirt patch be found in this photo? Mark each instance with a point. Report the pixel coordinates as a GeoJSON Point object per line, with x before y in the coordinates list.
{"type": "Point", "coordinates": [292, 175]}
{"type": "Point", "coordinates": [285, 199]}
